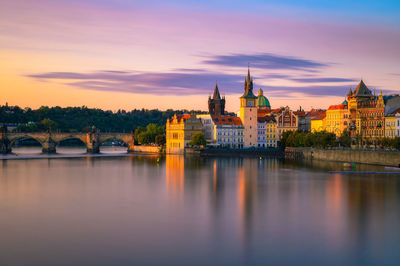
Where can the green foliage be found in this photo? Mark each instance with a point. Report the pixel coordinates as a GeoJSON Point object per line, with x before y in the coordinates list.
{"type": "Point", "coordinates": [160, 140]}
{"type": "Point", "coordinates": [76, 119]}
{"type": "Point", "coordinates": [48, 124]}
{"type": "Point", "coordinates": [149, 134]}
{"type": "Point", "coordinates": [198, 139]}
{"type": "Point", "coordinates": [345, 139]}
{"type": "Point", "coordinates": [393, 143]}
{"type": "Point", "coordinates": [302, 139]}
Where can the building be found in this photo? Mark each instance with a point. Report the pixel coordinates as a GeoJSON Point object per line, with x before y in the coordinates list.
{"type": "Point", "coordinates": [337, 118]}
{"type": "Point", "coordinates": [366, 113]}
{"type": "Point", "coordinates": [208, 127]}
{"type": "Point", "coordinates": [228, 131]}
{"type": "Point", "coordinates": [216, 104]}
{"type": "Point", "coordinates": [392, 124]}
{"type": "Point", "coordinates": [179, 131]}
{"type": "Point", "coordinates": [301, 120]}
{"type": "Point", "coordinates": [287, 120]}
{"type": "Point", "coordinates": [318, 123]}
{"type": "Point", "coordinates": [248, 113]}
{"type": "Point", "coordinates": [309, 116]}
{"type": "Point", "coordinates": [261, 131]}
{"type": "Point", "coordinates": [271, 131]}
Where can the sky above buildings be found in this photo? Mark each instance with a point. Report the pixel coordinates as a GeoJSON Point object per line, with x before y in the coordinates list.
{"type": "Point", "coordinates": [126, 54]}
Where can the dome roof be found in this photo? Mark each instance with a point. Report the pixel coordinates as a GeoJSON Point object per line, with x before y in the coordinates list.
{"type": "Point", "coordinates": [262, 101]}
{"type": "Point", "coordinates": [344, 102]}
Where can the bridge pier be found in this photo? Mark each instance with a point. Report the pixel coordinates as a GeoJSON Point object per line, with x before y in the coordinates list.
{"type": "Point", "coordinates": [92, 143]}
{"type": "Point", "coordinates": [5, 145]}
{"type": "Point", "coordinates": [49, 146]}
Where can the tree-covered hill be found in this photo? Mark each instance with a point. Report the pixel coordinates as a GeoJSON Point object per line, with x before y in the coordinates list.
{"type": "Point", "coordinates": [80, 118]}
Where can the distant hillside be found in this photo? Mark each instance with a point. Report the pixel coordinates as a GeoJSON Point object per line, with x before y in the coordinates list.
{"type": "Point", "coordinates": [81, 118]}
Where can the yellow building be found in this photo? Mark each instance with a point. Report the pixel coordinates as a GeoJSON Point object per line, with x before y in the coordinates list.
{"type": "Point", "coordinates": [271, 132]}
{"type": "Point", "coordinates": [390, 126]}
{"type": "Point", "coordinates": [336, 120]}
{"type": "Point", "coordinates": [179, 131]}
{"type": "Point", "coordinates": [248, 113]}
{"type": "Point", "coordinates": [318, 123]}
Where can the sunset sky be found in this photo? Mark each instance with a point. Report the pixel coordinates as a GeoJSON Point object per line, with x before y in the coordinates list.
{"type": "Point", "coordinates": [127, 54]}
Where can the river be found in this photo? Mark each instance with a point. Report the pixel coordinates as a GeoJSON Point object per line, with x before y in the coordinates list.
{"type": "Point", "coordinates": [175, 210]}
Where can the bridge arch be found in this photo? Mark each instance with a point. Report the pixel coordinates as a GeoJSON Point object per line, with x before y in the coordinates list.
{"type": "Point", "coordinates": [24, 148]}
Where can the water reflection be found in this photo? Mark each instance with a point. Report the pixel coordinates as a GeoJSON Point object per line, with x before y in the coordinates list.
{"type": "Point", "coordinates": [191, 210]}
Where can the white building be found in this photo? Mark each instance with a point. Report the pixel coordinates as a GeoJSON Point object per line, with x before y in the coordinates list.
{"type": "Point", "coordinates": [208, 127]}
{"type": "Point", "coordinates": [261, 135]}
{"type": "Point", "coordinates": [228, 131]}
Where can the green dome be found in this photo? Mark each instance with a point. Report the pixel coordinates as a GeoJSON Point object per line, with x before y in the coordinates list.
{"type": "Point", "coordinates": [262, 101]}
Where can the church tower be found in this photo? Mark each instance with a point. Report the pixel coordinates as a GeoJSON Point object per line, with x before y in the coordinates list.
{"type": "Point", "coordinates": [248, 113]}
{"type": "Point", "coordinates": [216, 104]}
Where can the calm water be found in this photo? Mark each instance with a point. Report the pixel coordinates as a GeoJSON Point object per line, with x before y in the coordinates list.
{"type": "Point", "coordinates": [146, 210]}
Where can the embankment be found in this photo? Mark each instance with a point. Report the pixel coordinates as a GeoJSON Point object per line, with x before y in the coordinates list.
{"type": "Point", "coordinates": [376, 157]}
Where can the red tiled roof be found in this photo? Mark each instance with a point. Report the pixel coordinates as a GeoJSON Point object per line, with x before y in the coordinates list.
{"type": "Point", "coordinates": [300, 113]}
{"type": "Point", "coordinates": [227, 120]}
{"type": "Point", "coordinates": [263, 112]}
{"type": "Point", "coordinates": [180, 117]}
{"type": "Point", "coordinates": [314, 112]}
{"type": "Point", "coordinates": [337, 107]}
{"type": "Point", "coordinates": [319, 117]}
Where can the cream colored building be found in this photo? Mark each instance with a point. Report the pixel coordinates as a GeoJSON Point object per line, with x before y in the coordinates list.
{"type": "Point", "coordinates": [392, 124]}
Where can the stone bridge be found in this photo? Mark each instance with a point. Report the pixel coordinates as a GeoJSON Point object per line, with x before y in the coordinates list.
{"type": "Point", "coordinates": [49, 141]}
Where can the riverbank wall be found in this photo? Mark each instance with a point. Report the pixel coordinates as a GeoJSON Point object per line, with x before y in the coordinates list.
{"type": "Point", "coordinates": [375, 157]}
{"type": "Point", "coordinates": [276, 153]}
{"type": "Point", "coordinates": [146, 149]}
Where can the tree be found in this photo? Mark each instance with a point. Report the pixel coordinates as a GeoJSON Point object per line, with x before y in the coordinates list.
{"type": "Point", "coordinates": [48, 124]}
{"type": "Point", "coordinates": [345, 138]}
{"type": "Point", "coordinates": [160, 140]}
{"type": "Point", "coordinates": [198, 139]}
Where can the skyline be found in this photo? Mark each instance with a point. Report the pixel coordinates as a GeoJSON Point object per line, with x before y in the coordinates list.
{"type": "Point", "coordinates": [126, 54]}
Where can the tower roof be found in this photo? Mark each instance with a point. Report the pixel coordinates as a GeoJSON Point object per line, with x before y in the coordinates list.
{"type": "Point", "coordinates": [216, 95]}
{"type": "Point", "coordinates": [262, 101]}
{"type": "Point", "coordinates": [362, 90]}
{"type": "Point", "coordinates": [248, 87]}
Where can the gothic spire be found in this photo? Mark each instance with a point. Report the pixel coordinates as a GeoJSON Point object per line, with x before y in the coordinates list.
{"type": "Point", "coordinates": [216, 94]}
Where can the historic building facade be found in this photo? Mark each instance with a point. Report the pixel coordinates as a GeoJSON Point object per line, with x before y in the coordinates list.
{"type": "Point", "coordinates": [392, 124]}
{"type": "Point", "coordinates": [337, 119]}
{"type": "Point", "coordinates": [318, 123]}
{"type": "Point", "coordinates": [228, 131]}
{"type": "Point", "coordinates": [366, 113]}
{"type": "Point", "coordinates": [287, 120]}
{"type": "Point", "coordinates": [179, 131]}
{"type": "Point", "coordinates": [248, 113]}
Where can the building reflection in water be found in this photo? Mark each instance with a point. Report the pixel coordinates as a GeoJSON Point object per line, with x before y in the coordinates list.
{"type": "Point", "coordinates": [175, 174]}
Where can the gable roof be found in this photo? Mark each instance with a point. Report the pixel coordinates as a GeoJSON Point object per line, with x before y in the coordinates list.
{"type": "Point", "coordinates": [362, 90]}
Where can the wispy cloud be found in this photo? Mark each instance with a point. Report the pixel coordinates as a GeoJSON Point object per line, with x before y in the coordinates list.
{"type": "Point", "coordinates": [177, 83]}
{"type": "Point", "coordinates": [322, 80]}
{"type": "Point", "coordinates": [265, 61]}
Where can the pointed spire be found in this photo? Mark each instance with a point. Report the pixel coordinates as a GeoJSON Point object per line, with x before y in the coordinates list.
{"type": "Point", "coordinates": [216, 94]}
{"type": "Point", "coordinates": [248, 71]}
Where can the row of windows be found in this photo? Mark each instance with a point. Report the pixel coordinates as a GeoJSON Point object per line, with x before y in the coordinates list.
{"type": "Point", "coordinates": [393, 133]}
{"type": "Point", "coordinates": [393, 123]}
{"type": "Point", "coordinates": [230, 133]}
{"type": "Point", "coordinates": [229, 140]}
